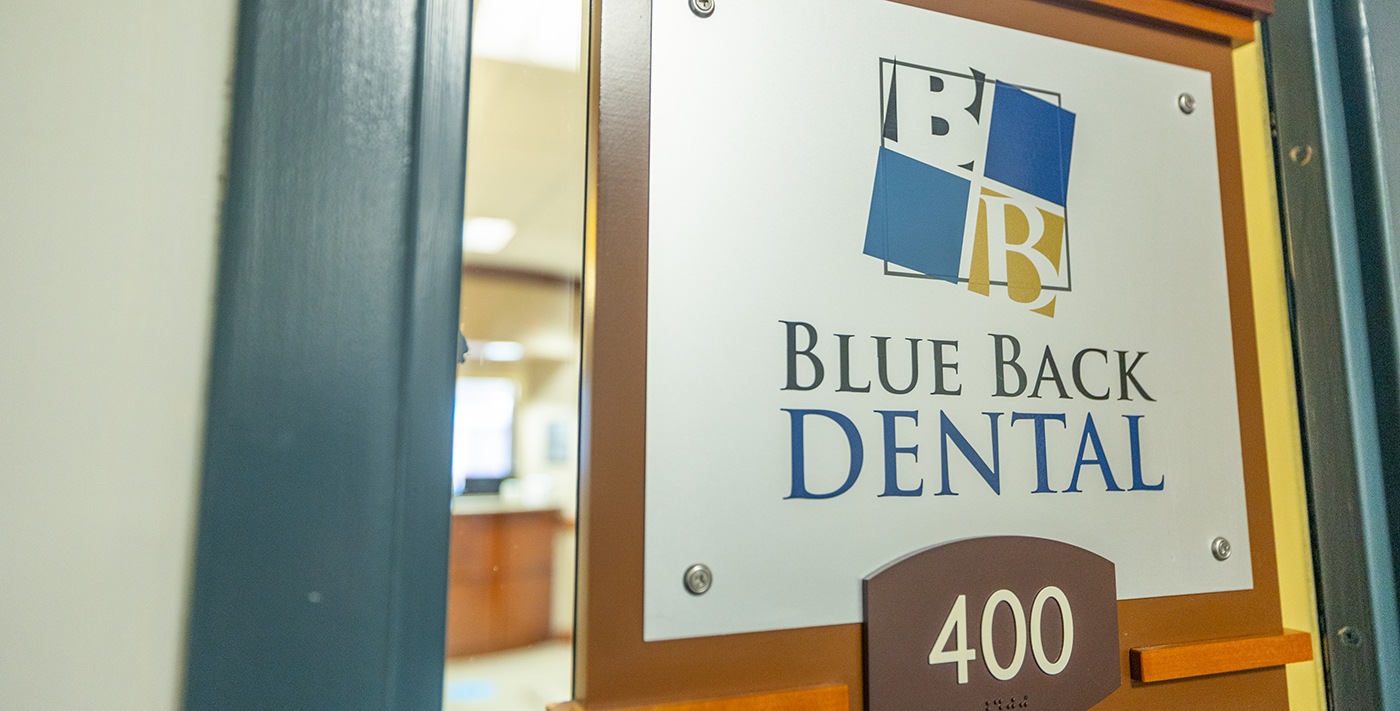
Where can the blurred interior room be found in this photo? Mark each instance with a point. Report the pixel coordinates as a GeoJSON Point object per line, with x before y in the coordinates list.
{"type": "Point", "coordinates": [515, 444]}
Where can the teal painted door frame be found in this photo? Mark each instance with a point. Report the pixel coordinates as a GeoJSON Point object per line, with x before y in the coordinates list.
{"type": "Point", "coordinates": [321, 560]}
{"type": "Point", "coordinates": [1343, 290]}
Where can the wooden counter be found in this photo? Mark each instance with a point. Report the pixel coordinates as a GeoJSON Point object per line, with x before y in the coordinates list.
{"type": "Point", "coordinates": [499, 578]}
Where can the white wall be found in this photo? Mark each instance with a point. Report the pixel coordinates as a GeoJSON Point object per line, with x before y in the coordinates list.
{"type": "Point", "coordinates": [113, 119]}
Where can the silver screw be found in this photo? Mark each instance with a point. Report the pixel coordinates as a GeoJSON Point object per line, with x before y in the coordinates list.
{"type": "Point", "coordinates": [1220, 548]}
{"type": "Point", "coordinates": [698, 579]}
{"type": "Point", "coordinates": [1302, 155]}
{"type": "Point", "coordinates": [1186, 102]}
{"type": "Point", "coordinates": [1349, 636]}
{"type": "Point", "coordinates": [702, 8]}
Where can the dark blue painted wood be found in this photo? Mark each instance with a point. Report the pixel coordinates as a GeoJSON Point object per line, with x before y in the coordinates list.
{"type": "Point", "coordinates": [425, 441]}
{"type": "Point", "coordinates": [1365, 88]}
{"type": "Point", "coordinates": [1346, 406]}
{"type": "Point", "coordinates": [320, 570]}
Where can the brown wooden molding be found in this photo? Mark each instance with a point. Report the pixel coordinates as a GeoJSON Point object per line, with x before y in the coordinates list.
{"type": "Point", "coordinates": [1258, 8]}
{"type": "Point", "coordinates": [1236, 26]}
{"type": "Point", "coordinates": [826, 698]}
{"type": "Point", "coordinates": [1181, 661]}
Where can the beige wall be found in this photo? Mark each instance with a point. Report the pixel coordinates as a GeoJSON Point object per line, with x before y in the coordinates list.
{"type": "Point", "coordinates": [113, 117]}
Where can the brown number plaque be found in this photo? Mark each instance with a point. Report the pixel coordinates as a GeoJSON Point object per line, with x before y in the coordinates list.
{"type": "Point", "coordinates": [992, 624]}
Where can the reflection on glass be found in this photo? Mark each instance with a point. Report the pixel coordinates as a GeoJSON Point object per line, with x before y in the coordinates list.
{"type": "Point", "coordinates": [515, 463]}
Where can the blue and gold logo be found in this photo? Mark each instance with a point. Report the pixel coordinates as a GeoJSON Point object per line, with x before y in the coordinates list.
{"type": "Point", "coordinates": [972, 182]}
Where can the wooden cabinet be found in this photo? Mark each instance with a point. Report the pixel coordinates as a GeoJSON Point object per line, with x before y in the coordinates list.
{"type": "Point", "coordinates": [499, 580]}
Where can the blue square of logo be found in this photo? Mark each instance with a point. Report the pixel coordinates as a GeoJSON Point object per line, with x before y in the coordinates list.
{"type": "Point", "coordinates": [1029, 144]}
{"type": "Point", "coordinates": [917, 216]}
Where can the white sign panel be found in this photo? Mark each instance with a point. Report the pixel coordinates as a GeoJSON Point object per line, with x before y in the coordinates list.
{"type": "Point", "coordinates": [915, 279]}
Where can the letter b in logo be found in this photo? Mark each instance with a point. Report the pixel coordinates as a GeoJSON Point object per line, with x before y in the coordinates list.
{"type": "Point", "coordinates": [971, 184]}
{"type": "Point", "coordinates": [936, 117]}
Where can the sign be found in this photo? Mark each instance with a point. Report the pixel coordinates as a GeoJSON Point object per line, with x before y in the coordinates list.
{"type": "Point", "coordinates": [992, 624]}
{"type": "Point", "coordinates": [915, 279]}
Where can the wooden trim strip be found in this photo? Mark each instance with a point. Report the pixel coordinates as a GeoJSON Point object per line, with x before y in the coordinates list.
{"type": "Point", "coordinates": [826, 698]}
{"type": "Point", "coordinates": [1181, 661]}
{"type": "Point", "coordinates": [1258, 8]}
{"type": "Point", "coordinates": [486, 271]}
{"type": "Point", "coordinates": [1183, 13]}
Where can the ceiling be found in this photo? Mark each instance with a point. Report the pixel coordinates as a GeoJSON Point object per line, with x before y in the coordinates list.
{"type": "Point", "coordinates": [526, 134]}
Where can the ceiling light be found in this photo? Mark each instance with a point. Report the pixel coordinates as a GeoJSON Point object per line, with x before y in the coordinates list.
{"type": "Point", "coordinates": [502, 351]}
{"type": "Point", "coordinates": [486, 235]}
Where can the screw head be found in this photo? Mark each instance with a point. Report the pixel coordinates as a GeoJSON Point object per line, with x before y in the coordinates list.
{"type": "Point", "coordinates": [702, 8]}
{"type": "Point", "coordinates": [1220, 548]}
{"type": "Point", "coordinates": [698, 579]}
{"type": "Point", "coordinates": [1186, 102]}
{"type": "Point", "coordinates": [1350, 636]}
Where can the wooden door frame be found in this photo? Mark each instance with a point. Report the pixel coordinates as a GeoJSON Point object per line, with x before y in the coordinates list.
{"type": "Point", "coordinates": [1342, 343]}
{"type": "Point", "coordinates": [321, 559]}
